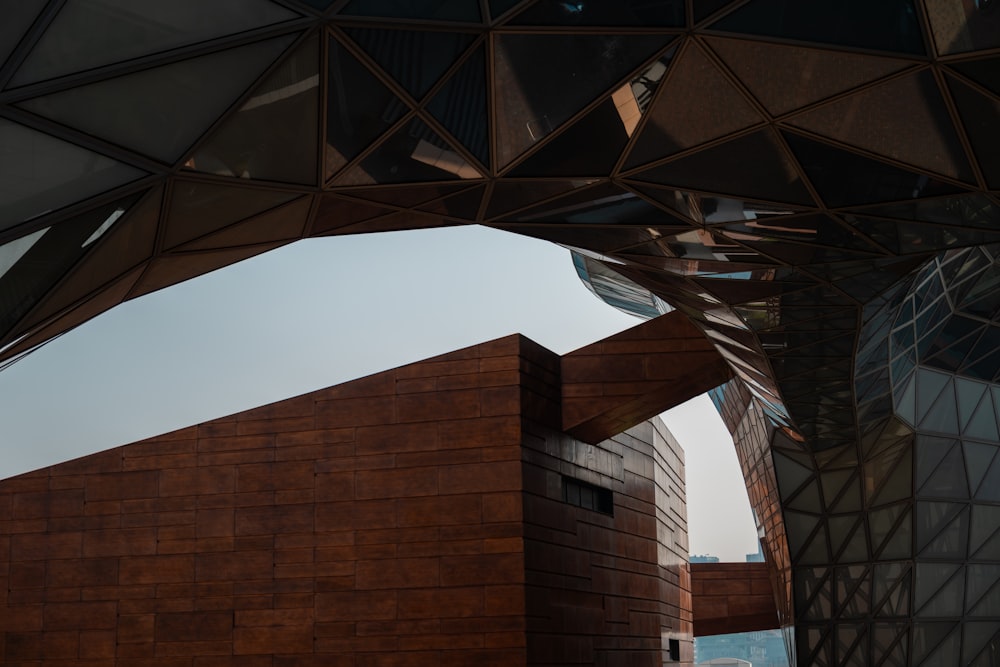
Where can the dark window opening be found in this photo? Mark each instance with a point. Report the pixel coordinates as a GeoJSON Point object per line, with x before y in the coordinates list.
{"type": "Point", "coordinates": [588, 496]}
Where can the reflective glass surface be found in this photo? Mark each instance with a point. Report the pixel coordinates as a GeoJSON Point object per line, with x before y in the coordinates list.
{"type": "Point", "coordinates": [359, 108]}
{"type": "Point", "coordinates": [273, 136]}
{"type": "Point", "coordinates": [90, 33]}
{"type": "Point", "coordinates": [39, 173]}
{"type": "Point", "coordinates": [181, 99]}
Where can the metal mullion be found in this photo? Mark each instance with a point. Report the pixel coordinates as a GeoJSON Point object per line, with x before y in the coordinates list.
{"type": "Point", "coordinates": [566, 125]}
{"type": "Point", "coordinates": [155, 60]}
{"type": "Point", "coordinates": [77, 208]}
{"type": "Point", "coordinates": [237, 104]}
{"type": "Point", "coordinates": [787, 41]}
{"type": "Point", "coordinates": [24, 46]}
{"type": "Point", "coordinates": [82, 139]}
{"type": "Point", "coordinates": [679, 47]}
{"type": "Point", "coordinates": [432, 122]}
{"type": "Point", "coordinates": [688, 152]}
{"type": "Point", "coordinates": [876, 157]}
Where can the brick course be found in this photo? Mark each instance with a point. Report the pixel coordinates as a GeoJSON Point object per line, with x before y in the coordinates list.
{"type": "Point", "coordinates": [413, 517]}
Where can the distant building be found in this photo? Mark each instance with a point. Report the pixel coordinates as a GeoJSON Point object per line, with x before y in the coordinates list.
{"type": "Point", "coordinates": [704, 559]}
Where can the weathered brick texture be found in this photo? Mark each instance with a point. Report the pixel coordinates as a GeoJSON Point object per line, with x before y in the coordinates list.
{"type": "Point", "coordinates": [413, 517]}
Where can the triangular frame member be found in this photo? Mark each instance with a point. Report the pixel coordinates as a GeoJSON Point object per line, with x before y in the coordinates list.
{"type": "Point", "coordinates": [273, 136]}
{"type": "Point", "coordinates": [284, 223]}
{"type": "Point", "coordinates": [555, 83]}
{"type": "Point", "coordinates": [903, 119]}
{"type": "Point", "coordinates": [672, 124]}
{"type": "Point", "coordinates": [415, 59]}
{"type": "Point", "coordinates": [181, 99]}
{"type": "Point", "coordinates": [198, 208]}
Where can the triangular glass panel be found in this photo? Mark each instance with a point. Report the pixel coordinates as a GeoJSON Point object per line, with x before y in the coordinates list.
{"type": "Point", "coordinates": [169, 270]}
{"type": "Point", "coordinates": [17, 18]}
{"type": "Point", "coordinates": [969, 394]}
{"type": "Point", "coordinates": [975, 637]}
{"type": "Point", "coordinates": [889, 583]}
{"type": "Point", "coordinates": [985, 532]}
{"type": "Point", "coordinates": [335, 213]}
{"type": "Point", "coordinates": [844, 178]}
{"type": "Point", "coordinates": [51, 254]}
{"type": "Point", "coordinates": [930, 452]}
{"type": "Point", "coordinates": [982, 593]}
{"type": "Point", "coordinates": [663, 13]}
{"type": "Point", "coordinates": [284, 223]}
{"type": "Point", "coordinates": [125, 239]}
{"type": "Point", "coordinates": [461, 106]}
{"type": "Point", "coordinates": [898, 482]}
{"type": "Point", "coordinates": [806, 500]}
{"type": "Point", "coordinates": [929, 638]}
{"type": "Point", "coordinates": [414, 153]}
{"type": "Point", "coordinates": [989, 488]}
{"type": "Point", "coordinates": [197, 209]}
{"type": "Point", "coordinates": [39, 174]}
{"type": "Point", "coordinates": [958, 27]}
{"type": "Point", "coordinates": [273, 135]}
{"type": "Point", "coordinates": [601, 131]}
{"type": "Point", "coordinates": [841, 528]}
{"type": "Point", "coordinates": [842, 22]}
{"type": "Point", "coordinates": [942, 416]}
{"type": "Point", "coordinates": [160, 112]}
{"type": "Point", "coordinates": [913, 237]}
{"type": "Point", "coordinates": [790, 474]}
{"type": "Point", "coordinates": [769, 175]}
{"type": "Point", "coordinates": [906, 401]}
{"type": "Point", "coordinates": [967, 210]}
{"type": "Point", "coordinates": [799, 528]}
{"type": "Point", "coordinates": [977, 460]}
{"type": "Point", "coordinates": [431, 10]}
{"type": "Point", "coordinates": [947, 600]}
{"type": "Point", "coordinates": [415, 59]}
{"type": "Point", "coordinates": [510, 196]}
{"type": "Point", "coordinates": [817, 552]}
{"type": "Point", "coordinates": [785, 78]}
{"type": "Point", "coordinates": [675, 124]}
{"type": "Point", "coordinates": [985, 72]}
{"type": "Point", "coordinates": [68, 45]}
{"type": "Point", "coordinates": [549, 78]}
{"type": "Point", "coordinates": [899, 544]}
{"type": "Point", "coordinates": [359, 108]}
{"type": "Point", "coordinates": [979, 115]}
{"type": "Point", "coordinates": [856, 550]}
{"type": "Point", "coordinates": [931, 578]}
{"type": "Point", "coordinates": [947, 480]}
{"type": "Point", "coordinates": [933, 519]}
{"type": "Point", "coordinates": [895, 114]}
{"type": "Point", "coordinates": [983, 423]}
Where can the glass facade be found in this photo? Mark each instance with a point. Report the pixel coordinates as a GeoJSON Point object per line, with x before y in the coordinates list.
{"type": "Point", "coordinates": [813, 184]}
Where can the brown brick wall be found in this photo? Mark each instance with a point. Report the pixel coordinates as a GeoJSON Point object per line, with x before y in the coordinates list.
{"type": "Point", "coordinates": [374, 523]}
{"type": "Point", "coordinates": [414, 517]}
{"type": "Point", "coordinates": [603, 590]}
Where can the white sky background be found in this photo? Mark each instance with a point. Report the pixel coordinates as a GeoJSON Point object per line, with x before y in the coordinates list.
{"type": "Point", "coordinates": [321, 312]}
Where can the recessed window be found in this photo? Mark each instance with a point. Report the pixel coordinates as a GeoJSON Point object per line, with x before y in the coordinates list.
{"type": "Point", "coordinates": [588, 496]}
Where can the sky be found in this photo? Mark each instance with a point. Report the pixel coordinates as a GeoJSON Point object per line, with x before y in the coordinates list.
{"type": "Point", "coordinates": [324, 311]}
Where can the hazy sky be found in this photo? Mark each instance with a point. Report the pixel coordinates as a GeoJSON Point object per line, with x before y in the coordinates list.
{"type": "Point", "coordinates": [320, 312]}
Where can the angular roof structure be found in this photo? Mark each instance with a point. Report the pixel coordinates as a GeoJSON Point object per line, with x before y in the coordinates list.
{"type": "Point", "coordinates": [815, 185]}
